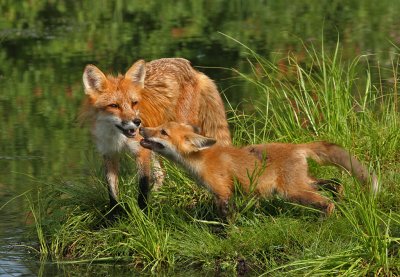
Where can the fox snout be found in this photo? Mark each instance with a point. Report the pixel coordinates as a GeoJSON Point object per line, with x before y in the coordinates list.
{"type": "Point", "coordinates": [148, 133]}
{"type": "Point", "coordinates": [143, 132]}
{"type": "Point", "coordinates": [148, 140]}
{"type": "Point", "coordinates": [128, 128]}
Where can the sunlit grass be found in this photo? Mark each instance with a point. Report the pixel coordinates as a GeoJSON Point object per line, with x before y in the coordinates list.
{"type": "Point", "coordinates": [321, 99]}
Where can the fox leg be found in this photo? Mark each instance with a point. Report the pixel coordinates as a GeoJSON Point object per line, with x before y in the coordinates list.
{"type": "Point", "coordinates": [310, 196]}
{"type": "Point", "coordinates": [334, 185]}
{"type": "Point", "coordinates": [143, 161]}
{"type": "Point", "coordinates": [222, 207]}
{"type": "Point", "coordinates": [158, 173]}
{"type": "Point", "coordinates": [222, 194]}
{"type": "Point", "coordinates": [111, 163]}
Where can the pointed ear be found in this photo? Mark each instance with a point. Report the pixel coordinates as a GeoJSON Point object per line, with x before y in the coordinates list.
{"type": "Point", "coordinates": [199, 142]}
{"type": "Point", "coordinates": [137, 72]}
{"type": "Point", "coordinates": [93, 78]}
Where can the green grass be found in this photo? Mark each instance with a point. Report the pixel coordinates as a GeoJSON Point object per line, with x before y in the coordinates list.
{"type": "Point", "coordinates": [319, 98]}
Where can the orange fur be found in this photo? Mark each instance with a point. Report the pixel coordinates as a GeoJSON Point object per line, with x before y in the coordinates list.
{"type": "Point", "coordinates": [148, 94]}
{"type": "Point", "coordinates": [273, 168]}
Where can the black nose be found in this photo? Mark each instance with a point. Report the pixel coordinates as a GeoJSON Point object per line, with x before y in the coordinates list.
{"type": "Point", "coordinates": [137, 121]}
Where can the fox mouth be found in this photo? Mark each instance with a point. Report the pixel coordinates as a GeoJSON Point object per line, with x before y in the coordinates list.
{"type": "Point", "coordinates": [152, 145]}
{"type": "Point", "coordinates": [130, 133]}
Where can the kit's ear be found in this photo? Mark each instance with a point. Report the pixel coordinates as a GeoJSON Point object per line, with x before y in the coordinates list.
{"type": "Point", "coordinates": [196, 142]}
{"type": "Point", "coordinates": [93, 79]}
{"type": "Point", "coordinates": [137, 72]}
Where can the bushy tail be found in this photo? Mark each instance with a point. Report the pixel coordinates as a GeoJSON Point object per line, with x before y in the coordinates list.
{"type": "Point", "coordinates": [329, 153]}
{"type": "Point", "coordinates": [212, 115]}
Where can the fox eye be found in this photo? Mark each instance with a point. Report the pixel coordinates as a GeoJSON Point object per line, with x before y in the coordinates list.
{"type": "Point", "coordinates": [163, 132]}
{"type": "Point", "coordinates": [113, 105]}
{"type": "Point", "coordinates": [134, 103]}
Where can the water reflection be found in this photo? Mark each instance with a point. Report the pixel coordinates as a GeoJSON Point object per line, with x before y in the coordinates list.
{"type": "Point", "coordinates": [44, 46]}
{"type": "Point", "coordinates": [12, 231]}
{"type": "Point", "coordinates": [12, 256]}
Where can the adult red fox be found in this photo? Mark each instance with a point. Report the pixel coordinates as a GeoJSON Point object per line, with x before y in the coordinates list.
{"type": "Point", "coordinates": [148, 94]}
{"type": "Point", "coordinates": [279, 168]}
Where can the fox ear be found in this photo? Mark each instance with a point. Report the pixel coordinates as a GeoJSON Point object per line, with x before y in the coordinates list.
{"type": "Point", "coordinates": [199, 142]}
{"type": "Point", "coordinates": [93, 78]}
{"type": "Point", "coordinates": [137, 72]}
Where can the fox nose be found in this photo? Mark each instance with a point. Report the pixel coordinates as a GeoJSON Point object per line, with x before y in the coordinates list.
{"type": "Point", "coordinates": [137, 121]}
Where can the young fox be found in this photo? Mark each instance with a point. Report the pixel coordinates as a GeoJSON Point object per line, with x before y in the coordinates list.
{"type": "Point", "coordinates": [279, 168]}
{"type": "Point", "coordinates": [149, 94]}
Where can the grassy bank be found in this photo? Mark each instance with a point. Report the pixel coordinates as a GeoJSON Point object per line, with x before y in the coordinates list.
{"type": "Point", "coordinates": [317, 97]}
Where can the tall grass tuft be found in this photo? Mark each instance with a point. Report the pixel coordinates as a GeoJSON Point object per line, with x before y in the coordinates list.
{"type": "Point", "coordinates": [326, 99]}
{"type": "Point", "coordinates": [313, 97]}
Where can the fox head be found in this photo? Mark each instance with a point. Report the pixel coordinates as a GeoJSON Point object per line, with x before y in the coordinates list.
{"type": "Point", "coordinates": [114, 100]}
{"type": "Point", "coordinates": [174, 140]}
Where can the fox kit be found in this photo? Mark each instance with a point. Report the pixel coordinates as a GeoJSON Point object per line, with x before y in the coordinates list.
{"type": "Point", "coordinates": [282, 167]}
{"type": "Point", "coordinates": [149, 94]}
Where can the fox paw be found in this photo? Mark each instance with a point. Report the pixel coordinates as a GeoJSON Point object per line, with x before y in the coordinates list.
{"type": "Point", "coordinates": [330, 209]}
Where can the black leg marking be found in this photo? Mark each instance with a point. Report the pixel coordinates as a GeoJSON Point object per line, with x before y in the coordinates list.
{"type": "Point", "coordinates": [116, 210]}
{"type": "Point", "coordinates": [113, 202]}
{"type": "Point", "coordinates": [222, 208]}
{"type": "Point", "coordinates": [143, 192]}
{"type": "Point", "coordinates": [334, 185]}
{"type": "Point", "coordinates": [115, 206]}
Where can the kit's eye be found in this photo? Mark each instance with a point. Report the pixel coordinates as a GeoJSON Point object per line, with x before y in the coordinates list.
{"type": "Point", "coordinates": [134, 103]}
{"type": "Point", "coordinates": [113, 105]}
{"type": "Point", "coordinates": [163, 132]}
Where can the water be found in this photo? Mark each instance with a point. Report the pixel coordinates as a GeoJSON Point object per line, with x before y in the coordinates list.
{"type": "Point", "coordinates": [44, 46]}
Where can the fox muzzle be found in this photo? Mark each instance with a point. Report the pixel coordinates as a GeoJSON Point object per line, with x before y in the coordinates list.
{"type": "Point", "coordinates": [128, 128]}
